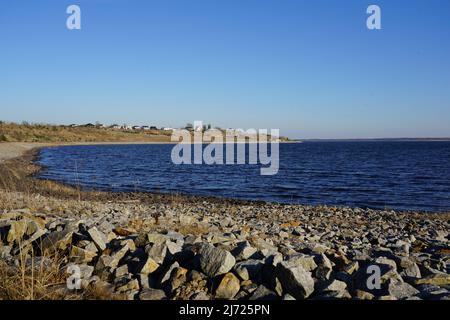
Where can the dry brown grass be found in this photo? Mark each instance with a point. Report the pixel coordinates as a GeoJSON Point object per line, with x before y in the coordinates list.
{"type": "Point", "coordinates": [12, 132]}
{"type": "Point", "coordinates": [44, 278]}
{"type": "Point", "coordinates": [33, 278]}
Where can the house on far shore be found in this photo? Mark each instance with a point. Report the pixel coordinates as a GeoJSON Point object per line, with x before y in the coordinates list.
{"type": "Point", "coordinates": [136, 127]}
{"type": "Point", "coordinates": [167, 129]}
{"type": "Point", "coordinates": [115, 126]}
{"type": "Point", "coordinates": [88, 125]}
{"type": "Point", "coordinates": [153, 128]}
{"type": "Point", "coordinates": [145, 128]}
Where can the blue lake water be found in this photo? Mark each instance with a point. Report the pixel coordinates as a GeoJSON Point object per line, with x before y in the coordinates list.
{"type": "Point", "coordinates": [376, 174]}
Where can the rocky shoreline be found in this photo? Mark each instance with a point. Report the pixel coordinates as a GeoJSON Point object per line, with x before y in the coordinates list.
{"type": "Point", "coordinates": [192, 248]}
{"type": "Point", "coordinates": [263, 251]}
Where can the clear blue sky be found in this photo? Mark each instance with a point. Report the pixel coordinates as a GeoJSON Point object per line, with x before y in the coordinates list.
{"type": "Point", "coordinates": [310, 68]}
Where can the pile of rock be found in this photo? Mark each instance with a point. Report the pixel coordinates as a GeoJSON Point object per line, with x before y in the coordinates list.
{"type": "Point", "coordinates": [252, 259]}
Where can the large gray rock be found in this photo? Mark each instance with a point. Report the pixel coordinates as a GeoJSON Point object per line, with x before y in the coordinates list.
{"type": "Point", "coordinates": [262, 293]}
{"type": "Point", "coordinates": [103, 262]}
{"type": "Point", "coordinates": [305, 261]}
{"type": "Point", "coordinates": [215, 261]}
{"type": "Point", "coordinates": [244, 251]}
{"type": "Point", "coordinates": [249, 269]}
{"type": "Point", "coordinates": [58, 240]}
{"type": "Point", "coordinates": [265, 247]}
{"type": "Point", "coordinates": [118, 255]}
{"type": "Point", "coordinates": [295, 280]}
{"type": "Point", "coordinates": [36, 236]}
{"type": "Point", "coordinates": [177, 278]}
{"type": "Point", "coordinates": [98, 238]}
{"type": "Point", "coordinates": [332, 285]}
{"type": "Point", "coordinates": [91, 247]}
{"type": "Point", "coordinates": [105, 226]}
{"type": "Point", "coordinates": [157, 252]}
{"type": "Point", "coordinates": [325, 267]}
{"type": "Point", "coordinates": [410, 268]}
{"type": "Point", "coordinates": [149, 266]}
{"type": "Point", "coordinates": [121, 271]}
{"type": "Point", "coordinates": [173, 248]}
{"type": "Point", "coordinates": [80, 255]}
{"type": "Point", "coordinates": [351, 268]}
{"type": "Point", "coordinates": [226, 222]}
{"type": "Point", "coordinates": [32, 227]}
{"type": "Point", "coordinates": [156, 238]}
{"type": "Point", "coordinates": [228, 287]}
{"type": "Point", "coordinates": [131, 286]}
{"type": "Point", "coordinates": [86, 271]}
{"type": "Point", "coordinates": [401, 290]}
{"type": "Point", "coordinates": [166, 274]}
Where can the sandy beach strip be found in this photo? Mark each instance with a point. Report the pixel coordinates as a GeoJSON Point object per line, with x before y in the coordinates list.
{"type": "Point", "coordinates": [10, 150]}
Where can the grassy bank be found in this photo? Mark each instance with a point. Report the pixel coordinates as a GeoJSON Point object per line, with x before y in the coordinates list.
{"type": "Point", "coordinates": [45, 133]}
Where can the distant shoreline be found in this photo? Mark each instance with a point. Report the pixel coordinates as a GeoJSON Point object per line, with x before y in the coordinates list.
{"type": "Point", "coordinates": [374, 139]}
